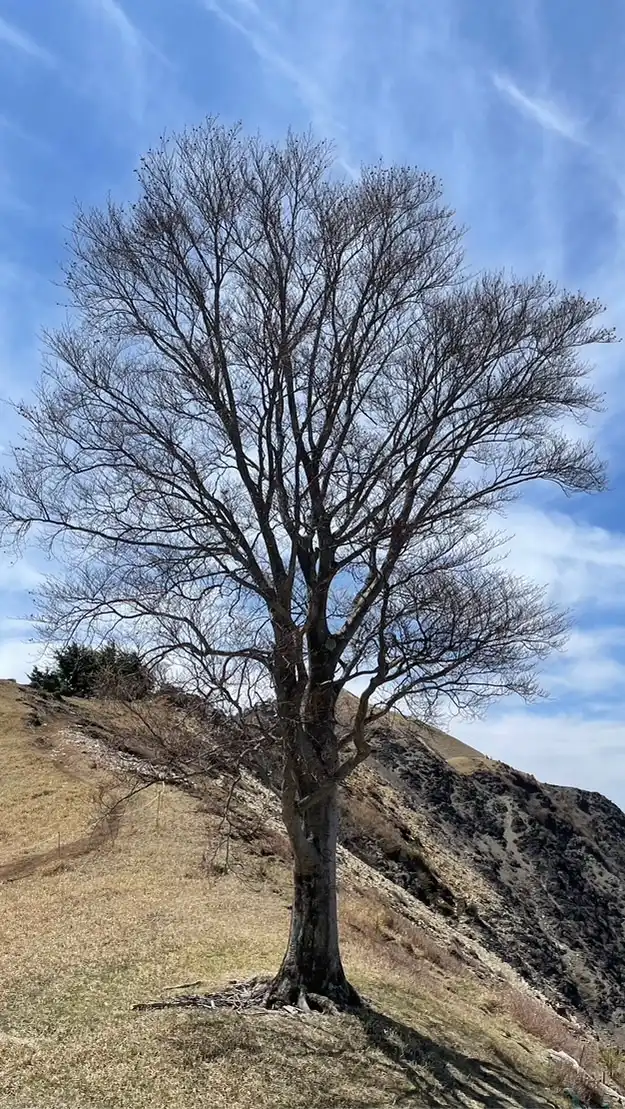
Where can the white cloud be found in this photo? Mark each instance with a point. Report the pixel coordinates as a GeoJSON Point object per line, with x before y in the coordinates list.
{"type": "Point", "coordinates": [546, 112]}
{"type": "Point", "coordinates": [119, 19]}
{"type": "Point", "coordinates": [578, 736]}
{"type": "Point", "coordinates": [571, 749]}
{"type": "Point", "coordinates": [590, 667]}
{"type": "Point", "coordinates": [12, 36]}
{"type": "Point", "coordinates": [128, 44]}
{"type": "Point", "coordinates": [132, 39]}
{"type": "Point", "coordinates": [18, 656]}
{"type": "Point", "coordinates": [259, 31]}
{"type": "Point", "coordinates": [19, 576]}
{"type": "Point", "coordinates": [580, 563]}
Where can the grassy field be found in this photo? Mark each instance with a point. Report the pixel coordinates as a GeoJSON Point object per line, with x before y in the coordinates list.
{"type": "Point", "coordinates": [98, 915]}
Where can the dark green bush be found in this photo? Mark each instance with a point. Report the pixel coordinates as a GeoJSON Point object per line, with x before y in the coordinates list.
{"type": "Point", "coordinates": [82, 671]}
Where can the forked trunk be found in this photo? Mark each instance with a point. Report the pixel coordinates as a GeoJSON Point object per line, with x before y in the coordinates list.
{"type": "Point", "coordinates": [312, 969]}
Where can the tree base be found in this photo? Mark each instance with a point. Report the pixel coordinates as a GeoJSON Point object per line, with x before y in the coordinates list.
{"type": "Point", "coordinates": [331, 997]}
{"type": "Point", "coordinates": [260, 994]}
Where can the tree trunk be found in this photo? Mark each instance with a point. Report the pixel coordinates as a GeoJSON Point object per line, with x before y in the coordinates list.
{"type": "Point", "coordinates": [312, 969]}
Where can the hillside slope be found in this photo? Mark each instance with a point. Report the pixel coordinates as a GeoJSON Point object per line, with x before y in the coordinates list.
{"type": "Point", "coordinates": [117, 887]}
{"type": "Point", "coordinates": [552, 859]}
{"type": "Point", "coordinates": [535, 872]}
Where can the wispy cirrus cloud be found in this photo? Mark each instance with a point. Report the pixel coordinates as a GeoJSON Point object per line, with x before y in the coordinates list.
{"type": "Point", "coordinates": [263, 35]}
{"type": "Point", "coordinates": [16, 39]}
{"type": "Point", "coordinates": [113, 11]}
{"type": "Point", "coordinates": [544, 111]}
{"type": "Point", "coordinates": [132, 39]}
{"type": "Point", "coordinates": [285, 55]}
{"type": "Point", "coordinates": [120, 60]}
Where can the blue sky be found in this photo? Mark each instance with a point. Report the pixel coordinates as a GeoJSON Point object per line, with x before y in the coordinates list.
{"type": "Point", "coordinates": [519, 105]}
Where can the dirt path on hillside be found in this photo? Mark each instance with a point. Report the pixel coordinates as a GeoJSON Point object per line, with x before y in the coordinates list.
{"type": "Point", "coordinates": [106, 828]}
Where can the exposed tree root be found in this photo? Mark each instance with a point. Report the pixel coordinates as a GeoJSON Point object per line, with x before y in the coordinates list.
{"type": "Point", "coordinates": [287, 991]}
{"type": "Point", "coordinates": [264, 995]}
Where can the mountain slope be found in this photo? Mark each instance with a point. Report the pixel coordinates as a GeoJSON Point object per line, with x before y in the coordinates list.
{"type": "Point", "coordinates": [535, 872]}
{"type": "Point", "coordinates": [121, 882]}
{"type": "Point", "coordinates": [552, 858]}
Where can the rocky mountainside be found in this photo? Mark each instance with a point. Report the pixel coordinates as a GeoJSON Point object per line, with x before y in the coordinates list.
{"type": "Point", "coordinates": [550, 859]}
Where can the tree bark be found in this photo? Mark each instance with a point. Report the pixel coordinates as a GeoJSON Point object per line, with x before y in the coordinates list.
{"type": "Point", "coordinates": [312, 969]}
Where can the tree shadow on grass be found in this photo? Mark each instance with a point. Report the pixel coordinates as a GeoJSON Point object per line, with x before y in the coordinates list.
{"type": "Point", "coordinates": [324, 1063]}
{"type": "Point", "coordinates": [440, 1076]}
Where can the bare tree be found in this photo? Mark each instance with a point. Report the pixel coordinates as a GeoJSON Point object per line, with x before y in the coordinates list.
{"type": "Point", "coordinates": [271, 439]}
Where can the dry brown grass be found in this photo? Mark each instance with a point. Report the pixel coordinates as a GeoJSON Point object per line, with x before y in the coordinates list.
{"type": "Point", "coordinates": [598, 1062]}
{"type": "Point", "coordinates": [587, 1087]}
{"type": "Point", "coordinates": [40, 800]}
{"type": "Point", "coordinates": [535, 1017]}
{"type": "Point", "coordinates": [612, 1062]}
{"type": "Point", "coordinates": [84, 938]}
{"type": "Point", "coordinates": [405, 942]}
